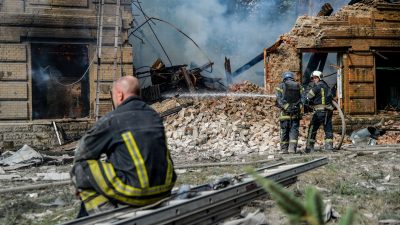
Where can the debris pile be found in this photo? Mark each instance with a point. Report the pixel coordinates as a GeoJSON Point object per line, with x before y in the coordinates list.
{"type": "Point", "coordinates": [214, 129]}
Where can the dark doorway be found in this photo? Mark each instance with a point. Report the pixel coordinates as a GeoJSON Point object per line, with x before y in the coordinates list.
{"type": "Point", "coordinates": [388, 81]}
{"type": "Point", "coordinates": [59, 87]}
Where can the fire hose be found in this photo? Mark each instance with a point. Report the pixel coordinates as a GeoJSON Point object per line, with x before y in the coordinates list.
{"type": "Point", "coordinates": [343, 124]}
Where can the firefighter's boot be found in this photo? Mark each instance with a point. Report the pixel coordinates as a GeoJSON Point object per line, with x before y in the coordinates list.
{"type": "Point", "coordinates": [329, 147]}
{"type": "Point", "coordinates": [284, 151]}
{"type": "Point", "coordinates": [292, 148]}
{"type": "Point", "coordinates": [310, 148]}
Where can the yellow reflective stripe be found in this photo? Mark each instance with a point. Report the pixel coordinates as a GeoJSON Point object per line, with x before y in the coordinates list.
{"type": "Point", "coordinates": [109, 192]}
{"type": "Point", "coordinates": [293, 141]}
{"type": "Point", "coordinates": [323, 96]}
{"type": "Point", "coordinates": [129, 190]}
{"type": "Point", "coordinates": [279, 89]}
{"type": "Point", "coordinates": [284, 142]}
{"type": "Point", "coordinates": [328, 140]}
{"type": "Point", "coordinates": [137, 159]}
{"type": "Point", "coordinates": [284, 117]}
{"type": "Point", "coordinates": [286, 106]}
{"type": "Point", "coordinates": [168, 176]}
{"type": "Point", "coordinates": [95, 202]}
{"type": "Point", "coordinates": [86, 194]}
{"type": "Point", "coordinates": [311, 93]}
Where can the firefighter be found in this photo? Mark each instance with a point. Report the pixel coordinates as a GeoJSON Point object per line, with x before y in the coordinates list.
{"type": "Point", "coordinates": [288, 99]}
{"type": "Point", "coordinates": [320, 99]}
{"type": "Point", "coordinates": [138, 169]}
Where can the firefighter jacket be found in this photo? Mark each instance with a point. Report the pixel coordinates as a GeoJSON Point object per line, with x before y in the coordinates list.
{"type": "Point", "coordinates": [288, 99]}
{"type": "Point", "coordinates": [138, 169]}
{"type": "Point", "coordinates": [320, 96]}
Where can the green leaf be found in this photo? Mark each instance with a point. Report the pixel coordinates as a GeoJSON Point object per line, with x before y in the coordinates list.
{"type": "Point", "coordinates": [348, 218]}
{"type": "Point", "coordinates": [314, 205]}
{"type": "Point", "coordinates": [285, 199]}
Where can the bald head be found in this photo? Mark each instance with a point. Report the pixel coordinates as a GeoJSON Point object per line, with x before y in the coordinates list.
{"type": "Point", "coordinates": [124, 88]}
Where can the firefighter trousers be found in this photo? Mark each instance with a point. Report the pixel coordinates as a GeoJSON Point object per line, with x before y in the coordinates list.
{"type": "Point", "coordinates": [320, 118]}
{"type": "Point", "coordinates": [289, 134]}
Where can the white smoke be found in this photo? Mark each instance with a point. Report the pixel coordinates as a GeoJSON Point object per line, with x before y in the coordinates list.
{"type": "Point", "coordinates": [237, 29]}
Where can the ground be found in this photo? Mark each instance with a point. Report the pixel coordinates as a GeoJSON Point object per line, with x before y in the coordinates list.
{"type": "Point", "coordinates": [369, 183]}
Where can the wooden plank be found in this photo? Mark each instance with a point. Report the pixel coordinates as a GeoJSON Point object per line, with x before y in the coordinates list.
{"type": "Point", "coordinates": [361, 90]}
{"type": "Point", "coordinates": [362, 106]}
{"type": "Point", "coordinates": [334, 43]}
{"type": "Point", "coordinates": [362, 32]}
{"type": "Point", "coordinates": [13, 91]}
{"type": "Point", "coordinates": [356, 44]}
{"type": "Point", "coordinates": [361, 59]}
{"type": "Point", "coordinates": [366, 44]}
{"type": "Point", "coordinates": [13, 72]}
{"type": "Point", "coordinates": [188, 79]}
{"type": "Point", "coordinates": [386, 15]}
{"type": "Point", "coordinates": [387, 24]}
{"type": "Point", "coordinates": [357, 74]}
{"type": "Point", "coordinates": [13, 110]}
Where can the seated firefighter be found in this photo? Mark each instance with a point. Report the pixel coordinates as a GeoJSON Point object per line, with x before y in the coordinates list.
{"type": "Point", "coordinates": [138, 169]}
{"type": "Point", "coordinates": [288, 99]}
{"type": "Point", "coordinates": [320, 99]}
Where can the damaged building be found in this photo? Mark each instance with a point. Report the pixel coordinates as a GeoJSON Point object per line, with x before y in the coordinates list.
{"type": "Point", "coordinates": [49, 65]}
{"type": "Point", "coordinates": [363, 42]}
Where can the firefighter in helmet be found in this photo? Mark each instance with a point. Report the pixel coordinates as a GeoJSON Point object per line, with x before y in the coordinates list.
{"type": "Point", "coordinates": [288, 99]}
{"type": "Point", "coordinates": [138, 169]}
{"type": "Point", "coordinates": [320, 99]}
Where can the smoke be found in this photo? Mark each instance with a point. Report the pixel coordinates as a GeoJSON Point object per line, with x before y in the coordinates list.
{"type": "Point", "coordinates": [237, 29]}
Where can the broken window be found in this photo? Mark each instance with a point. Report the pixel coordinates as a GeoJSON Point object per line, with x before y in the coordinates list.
{"type": "Point", "coordinates": [387, 80]}
{"type": "Point", "coordinates": [325, 62]}
{"type": "Point", "coordinates": [59, 89]}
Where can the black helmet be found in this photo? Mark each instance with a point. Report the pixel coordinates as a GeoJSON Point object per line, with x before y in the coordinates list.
{"type": "Point", "coordinates": [287, 75]}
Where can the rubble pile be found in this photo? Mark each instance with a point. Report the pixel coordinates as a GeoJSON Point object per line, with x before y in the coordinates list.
{"type": "Point", "coordinates": [215, 129]}
{"type": "Point", "coordinates": [392, 134]}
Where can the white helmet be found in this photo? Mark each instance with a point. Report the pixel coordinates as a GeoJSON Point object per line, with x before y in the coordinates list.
{"type": "Point", "coordinates": [316, 74]}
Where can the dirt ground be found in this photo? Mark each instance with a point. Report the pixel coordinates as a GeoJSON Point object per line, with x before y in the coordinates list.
{"type": "Point", "coordinates": [368, 183]}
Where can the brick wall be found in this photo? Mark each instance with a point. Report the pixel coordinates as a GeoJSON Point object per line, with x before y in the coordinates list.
{"type": "Point", "coordinates": [23, 22]}
{"type": "Point", "coordinates": [40, 135]}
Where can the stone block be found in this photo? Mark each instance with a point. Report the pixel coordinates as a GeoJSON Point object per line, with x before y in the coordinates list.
{"type": "Point", "coordinates": [13, 53]}
{"type": "Point", "coordinates": [13, 71]}
{"type": "Point", "coordinates": [13, 91]}
{"type": "Point", "coordinates": [78, 126]}
{"type": "Point", "coordinates": [41, 128]}
{"type": "Point", "coordinates": [13, 136]}
{"type": "Point", "coordinates": [6, 128]}
{"type": "Point", "coordinates": [23, 128]}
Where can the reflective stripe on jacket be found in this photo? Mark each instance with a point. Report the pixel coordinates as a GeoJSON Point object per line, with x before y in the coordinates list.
{"type": "Point", "coordinates": [138, 170]}
{"type": "Point", "coordinates": [320, 96]}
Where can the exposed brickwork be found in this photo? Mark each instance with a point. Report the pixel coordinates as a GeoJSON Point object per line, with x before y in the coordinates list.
{"type": "Point", "coordinates": [41, 136]}
{"type": "Point", "coordinates": [12, 53]}
{"type": "Point", "coordinates": [355, 30]}
{"type": "Point", "coordinates": [13, 110]}
{"type": "Point", "coordinates": [13, 71]}
{"type": "Point", "coordinates": [13, 91]}
{"type": "Point", "coordinates": [23, 22]}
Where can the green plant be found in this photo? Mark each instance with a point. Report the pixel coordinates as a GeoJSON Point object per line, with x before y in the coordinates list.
{"type": "Point", "coordinates": [309, 212]}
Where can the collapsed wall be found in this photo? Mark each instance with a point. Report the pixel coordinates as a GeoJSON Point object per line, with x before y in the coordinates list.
{"type": "Point", "coordinates": [364, 36]}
